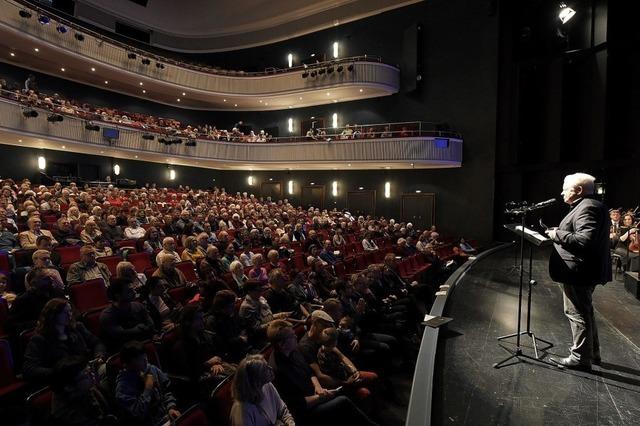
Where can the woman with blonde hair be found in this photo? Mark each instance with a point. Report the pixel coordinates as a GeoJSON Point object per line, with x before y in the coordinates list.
{"type": "Point", "coordinates": [191, 252]}
{"type": "Point", "coordinates": [256, 400]}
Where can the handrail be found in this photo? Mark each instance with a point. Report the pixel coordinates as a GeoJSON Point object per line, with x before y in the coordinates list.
{"type": "Point", "coordinates": [182, 63]}
{"type": "Point", "coordinates": [384, 130]}
{"type": "Point", "coordinates": [420, 407]}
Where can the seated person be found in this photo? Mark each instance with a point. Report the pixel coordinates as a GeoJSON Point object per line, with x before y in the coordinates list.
{"type": "Point", "coordinates": [197, 353]}
{"type": "Point", "coordinates": [211, 263]}
{"type": "Point", "coordinates": [466, 247]}
{"type": "Point", "coordinates": [308, 401]}
{"type": "Point", "coordinates": [237, 273]}
{"type": "Point", "coordinates": [134, 231]}
{"type": "Point", "coordinates": [258, 272]}
{"type": "Point", "coordinates": [229, 257]}
{"type": "Point", "coordinates": [164, 311]}
{"type": "Point", "coordinates": [338, 240]}
{"type": "Point", "coordinates": [26, 308]}
{"type": "Point", "coordinates": [65, 234]}
{"type": "Point", "coordinates": [152, 240]}
{"type": "Point", "coordinates": [168, 247]}
{"type": "Point", "coordinates": [125, 319]}
{"type": "Point", "coordinates": [327, 254]}
{"type": "Point", "coordinates": [142, 390]}
{"type": "Point", "coordinates": [279, 299]}
{"type": "Point", "coordinates": [8, 240]}
{"type": "Point", "coordinates": [256, 400]}
{"type": "Point", "coordinates": [102, 247]}
{"type": "Point", "coordinates": [167, 270]}
{"type": "Point", "coordinates": [87, 268]}
{"type": "Point", "coordinates": [255, 314]}
{"type": "Point", "coordinates": [28, 238]}
{"type": "Point", "coordinates": [42, 260]}
{"type": "Point", "coordinates": [127, 271]}
{"type": "Point", "coordinates": [76, 400]}
{"type": "Point", "coordinates": [89, 232]}
{"type": "Point", "coordinates": [58, 336]}
{"type": "Point", "coordinates": [368, 244]}
{"type": "Point", "coordinates": [225, 324]}
{"type": "Point", "coordinates": [191, 251]}
{"type": "Point", "coordinates": [111, 230]}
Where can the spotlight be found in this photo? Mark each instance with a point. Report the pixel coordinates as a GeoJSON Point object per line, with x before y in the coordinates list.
{"type": "Point", "coordinates": [54, 118]}
{"type": "Point", "coordinates": [159, 65]}
{"type": "Point", "coordinates": [61, 29]}
{"type": "Point", "coordinates": [313, 73]}
{"type": "Point", "coordinates": [330, 69]}
{"type": "Point", "coordinates": [350, 68]}
{"type": "Point", "coordinates": [305, 74]}
{"type": "Point", "coordinates": [79, 37]}
{"type": "Point", "coordinates": [44, 20]}
{"type": "Point", "coordinates": [340, 68]}
{"type": "Point", "coordinates": [147, 137]}
{"type": "Point", "coordinates": [321, 71]}
{"type": "Point", "coordinates": [30, 113]}
{"type": "Point", "coordinates": [566, 13]}
{"type": "Point", "coordinates": [92, 127]}
{"type": "Point", "coordinates": [131, 55]}
{"type": "Point", "coordinates": [146, 61]}
{"type": "Point", "coordinates": [24, 14]}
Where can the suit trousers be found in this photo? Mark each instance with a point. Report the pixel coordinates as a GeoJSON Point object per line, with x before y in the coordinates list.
{"type": "Point", "coordinates": [578, 307]}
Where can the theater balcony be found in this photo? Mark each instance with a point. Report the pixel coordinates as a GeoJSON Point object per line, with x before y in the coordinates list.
{"type": "Point", "coordinates": [404, 146]}
{"type": "Point", "coordinates": [62, 48]}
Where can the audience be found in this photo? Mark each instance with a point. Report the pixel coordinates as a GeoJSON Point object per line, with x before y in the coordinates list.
{"type": "Point", "coordinates": [88, 268]}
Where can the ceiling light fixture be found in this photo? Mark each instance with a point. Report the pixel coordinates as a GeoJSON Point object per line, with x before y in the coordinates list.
{"type": "Point", "coordinates": [566, 13]}
{"type": "Point", "coordinates": [93, 69]}
{"type": "Point", "coordinates": [36, 49]}
{"type": "Point", "coordinates": [12, 54]}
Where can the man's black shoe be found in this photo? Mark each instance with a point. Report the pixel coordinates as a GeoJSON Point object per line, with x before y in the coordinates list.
{"type": "Point", "coordinates": [571, 363]}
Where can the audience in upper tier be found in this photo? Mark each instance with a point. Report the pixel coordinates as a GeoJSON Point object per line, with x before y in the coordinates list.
{"type": "Point", "coordinates": [30, 96]}
{"type": "Point", "coordinates": [353, 293]}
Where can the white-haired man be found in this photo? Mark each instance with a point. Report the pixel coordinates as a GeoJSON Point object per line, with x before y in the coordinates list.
{"type": "Point", "coordinates": [580, 260]}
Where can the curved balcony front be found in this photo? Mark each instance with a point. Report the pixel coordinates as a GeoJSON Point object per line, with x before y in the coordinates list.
{"type": "Point", "coordinates": [71, 134]}
{"type": "Point", "coordinates": [96, 60]}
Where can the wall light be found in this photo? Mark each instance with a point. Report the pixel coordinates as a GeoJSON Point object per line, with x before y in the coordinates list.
{"type": "Point", "coordinates": [42, 163]}
{"type": "Point", "coordinates": [566, 13]}
{"type": "Point", "coordinates": [290, 187]}
{"type": "Point", "coordinates": [334, 188]}
{"type": "Point", "coordinates": [290, 125]}
{"type": "Point", "coordinates": [387, 190]}
{"type": "Point", "coordinates": [250, 180]}
{"type": "Point", "coordinates": [290, 60]}
{"type": "Point", "coordinates": [172, 174]}
{"type": "Point", "coordinates": [116, 170]}
{"type": "Point", "coordinates": [335, 49]}
{"type": "Point", "coordinates": [334, 120]}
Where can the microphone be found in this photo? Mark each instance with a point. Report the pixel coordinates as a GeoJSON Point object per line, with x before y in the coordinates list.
{"type": "Point", "coordinates": [545, 203]}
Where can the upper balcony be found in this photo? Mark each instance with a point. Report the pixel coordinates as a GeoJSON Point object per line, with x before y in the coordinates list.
{"type": "Point", "coordinates": [62, 48]}
{"type": "Point", "coordinates": [411, 148]}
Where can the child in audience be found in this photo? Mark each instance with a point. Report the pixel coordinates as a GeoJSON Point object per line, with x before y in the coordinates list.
{"type": "Point", "coordinates": [331, 360]}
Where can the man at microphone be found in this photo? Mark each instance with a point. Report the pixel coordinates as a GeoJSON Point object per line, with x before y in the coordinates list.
{"type": "Point", "coordinates": [580, 260]}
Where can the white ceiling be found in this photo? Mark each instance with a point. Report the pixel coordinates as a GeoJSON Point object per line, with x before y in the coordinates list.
{"type": "Point", "coordinates": [219, 25]}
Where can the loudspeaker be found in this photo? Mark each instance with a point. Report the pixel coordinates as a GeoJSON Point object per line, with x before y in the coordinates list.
{"type": "Point", "coordinates": [412, 67]}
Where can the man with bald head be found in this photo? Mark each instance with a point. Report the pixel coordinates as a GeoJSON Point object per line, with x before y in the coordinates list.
{"type": "Point", "coordinates": [580, 260]}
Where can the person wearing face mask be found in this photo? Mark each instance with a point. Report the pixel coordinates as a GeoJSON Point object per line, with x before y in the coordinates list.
{"type": "Point", "coordinates": [58, 336]}
{"type": "Point", "coordinates": [142, 390]}
{"type": "Point", "coordinates": [87, 268]}
{"type": "Point", "coordinates": [76, 400]}
{"type": "Point", "coordinates": [125, 319]}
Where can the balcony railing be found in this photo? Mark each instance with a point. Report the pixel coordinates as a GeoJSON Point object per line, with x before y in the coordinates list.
{"type": "Point", "coordinates": [420, 149]}
{"type": "Point", "coordinates": [366, 70]}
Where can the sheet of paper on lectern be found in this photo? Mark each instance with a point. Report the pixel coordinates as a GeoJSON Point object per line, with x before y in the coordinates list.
{"type": "Point", "coordinates": [532, 233]}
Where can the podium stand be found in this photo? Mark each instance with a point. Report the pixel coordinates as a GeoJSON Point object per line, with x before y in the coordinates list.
{"type": "Point", "coordinates": [535, 239]}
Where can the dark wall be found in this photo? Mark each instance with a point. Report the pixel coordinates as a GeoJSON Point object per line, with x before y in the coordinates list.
{"type": "Point", "coordinates": [458, 51]}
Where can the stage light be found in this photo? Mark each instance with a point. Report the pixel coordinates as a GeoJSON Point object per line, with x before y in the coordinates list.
{"type": "Point", "coordinates": [61, 29]}
{"type": "Point", "coordinates": [305, 74]}
{"type": "Point", "coordinates": [116, 170]}
{"type": "Point", "coordinates": [44, 20]}
{"type": "Point", "coordinates": [30, 113]}
{"type": "Point", "coordinates": [172, 174]}
{"type": "Point", "coordinates": [148, 137]}
{"type": "Point", "coordinates": [290, 125]}
{"type": "Point", "coordinates": [334, 120]}
{"type": "Point", "coordinates": [250, 180]}
{"type": "Point", "coordinates": [25, 14]}
{"type": "Point", "coordinates": [146, 61]}
{"type": "Point", "coordinates": [566, 13]}
{"type": "Point", "coordinates": [290, 60]}
{"type": "Point", "coordinates": [335, 49]}
{"type": "Point", "coordinates": [55, 118]}
{"type": "Point", "coordinates": [131, 55]}
{"type": "Point", "coordinates": [290, 187]}
{"type": "Point", "coordinates": [340, 68]}
{"type": "Point", "coordinates": [78, 37]}
{"type": "Point", "coordinates": [42, 163]}
{"type": "Point", "coordinates": [350, 68]}
{"type": "Point", "coordinates": [334, 188]}
{"type": "Point", "coordinates": [387, 190]}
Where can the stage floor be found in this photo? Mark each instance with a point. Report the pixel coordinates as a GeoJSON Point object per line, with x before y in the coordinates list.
{"type": "Point", "coordinates": [468, 390]}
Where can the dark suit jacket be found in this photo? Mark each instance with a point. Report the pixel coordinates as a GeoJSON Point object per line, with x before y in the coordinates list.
{"type": "Point", "coordinates": [581, 245]}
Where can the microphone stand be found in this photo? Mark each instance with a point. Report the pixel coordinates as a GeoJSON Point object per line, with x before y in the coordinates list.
{"type": "Point", "coordinates": [518, 353]}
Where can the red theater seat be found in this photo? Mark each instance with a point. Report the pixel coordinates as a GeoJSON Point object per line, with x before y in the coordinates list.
{"type": "Point", "coordinates": [68, 255]}
{"type": "Point", "coordinates": [188, 270]}
{"type": "Point", "coordinates": [88, 295]}
{"type": "Point", "coordinates": [140, 261]}
{"type": "Point", "coordinates": [221, 402]}
{"type": "Point", "coordinates": [39, 407]}
{"type": "Point", "coordinates": [111, 262]}
{"type": "Point", "coordinates": [9, 382]}
{"type": "Point", "coordinates": [194, 416]}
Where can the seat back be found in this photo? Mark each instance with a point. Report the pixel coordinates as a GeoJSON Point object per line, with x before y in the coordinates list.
{"type": "Point", "coordinates": [140, 261]}
{"type": "Point", "coordinates": [88, 295]}
{"type": "Point", "coordinates": [111, 262]}
{"type": "Point", "coordinates": [221, 403]}
{"type": "Point", "coordinates": [7, 372]}
{"type": "Point", "coordinates": [39, 406]}
{"type": "Point", "coordinates": [178, 294]}
{"type": "Point", "coordinates": [194, 416]}
{"type": "Point", "coordinates": [188, 270]}
{"type": "Point", "coordinates": [4, 263]}
{"type": "Point", "coordinates": [91, 320]}
{"type": "Point", "coordinates": [68, 255]}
